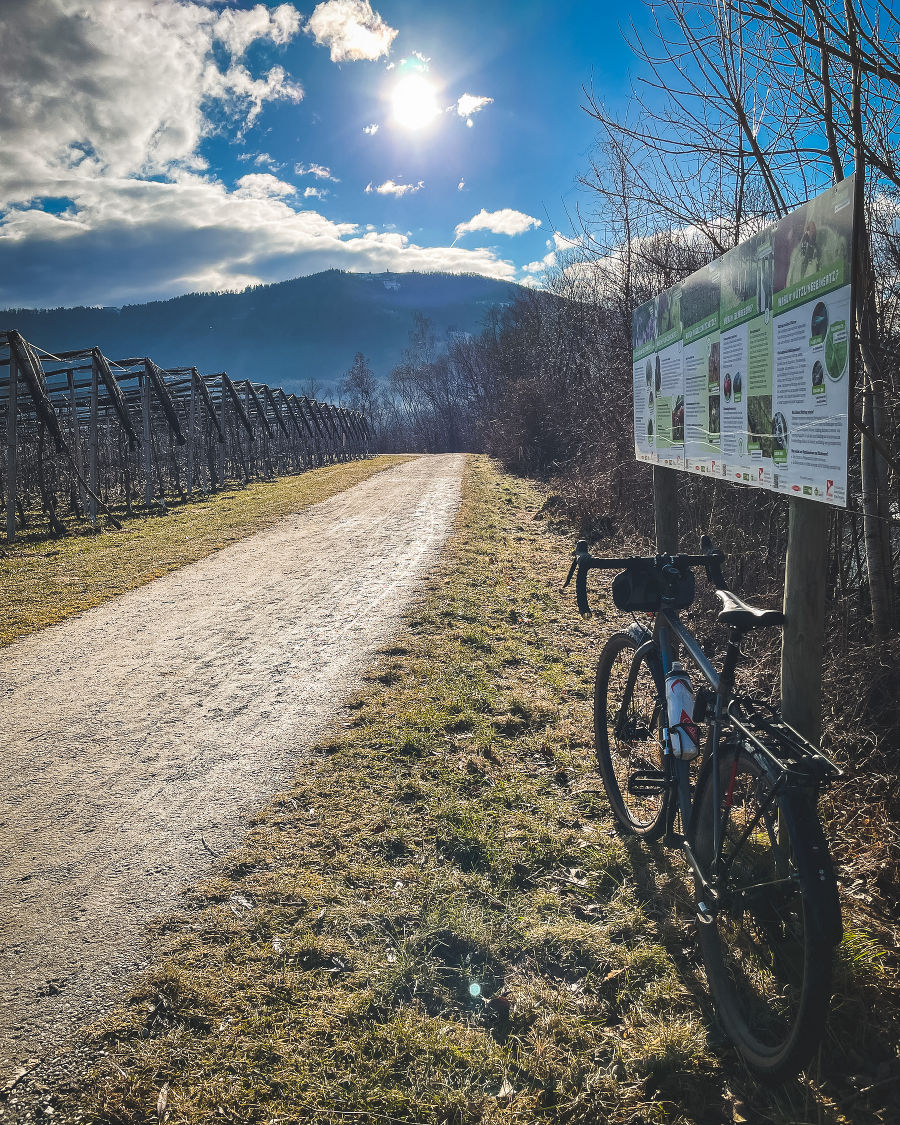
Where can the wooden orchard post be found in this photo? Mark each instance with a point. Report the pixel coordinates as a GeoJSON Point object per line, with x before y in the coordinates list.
{"type": "Point", "coordinates": [11, 449]}
{"type": "Point", "coordinates": [803, 641]}
{"type": "Point", "coordinates": [147, 436]}
{"type": "Point", "coordinates": [248, 460]}
{"type": "Point", "coordinates": [192, 426]}
{"type": "Point", "coordinates": [76, 438]}
{"type": "Point", "coordinates": [94, 439]}
{"type": "Point", "coordinates": [665, 509]}
{"type": "Point", "coordinates": [224, 437]}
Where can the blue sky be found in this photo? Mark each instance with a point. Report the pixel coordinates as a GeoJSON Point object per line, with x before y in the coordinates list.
{"type": "Point", "coordinates": [155, 147]}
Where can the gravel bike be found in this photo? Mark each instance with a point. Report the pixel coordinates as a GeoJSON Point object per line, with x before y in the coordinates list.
{"type": "Point", "coordinates": [766, 899]}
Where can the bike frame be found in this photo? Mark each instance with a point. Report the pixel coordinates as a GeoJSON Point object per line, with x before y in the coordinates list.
{"type": "Point", "coordinates": [668, 630]}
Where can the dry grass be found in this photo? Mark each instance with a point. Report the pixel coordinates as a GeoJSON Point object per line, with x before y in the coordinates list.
{"type": "Point", "coordinates": [43, 580]}
{"type": "Point", "coordinates": [437, 923]}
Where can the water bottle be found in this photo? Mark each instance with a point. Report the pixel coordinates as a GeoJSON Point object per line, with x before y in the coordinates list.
{"type": "Point", "coordinates": [684, 735]}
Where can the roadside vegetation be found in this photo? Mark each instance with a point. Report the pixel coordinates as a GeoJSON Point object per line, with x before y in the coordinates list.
{"type": "Point", "coordinates": [438, 923]}
{"type": "Point", "coordinates": [740, 112]}
{"type": "Point", "coordinates": [43, 579]}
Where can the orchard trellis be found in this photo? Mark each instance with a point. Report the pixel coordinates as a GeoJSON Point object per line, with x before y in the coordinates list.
{"type": "Point", "coordinates": [85, 435]}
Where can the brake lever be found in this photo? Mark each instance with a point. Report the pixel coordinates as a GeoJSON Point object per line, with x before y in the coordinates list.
{"type": "Point", "coordinates": [581, 562]}
{"type": "Point", "coordinates": [713, 568]}
{"type": "Point", "coordinates": [581, 550]}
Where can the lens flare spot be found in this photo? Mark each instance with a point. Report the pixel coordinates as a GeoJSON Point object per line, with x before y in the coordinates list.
{"type": "Point", "coordinates": [475, 989]}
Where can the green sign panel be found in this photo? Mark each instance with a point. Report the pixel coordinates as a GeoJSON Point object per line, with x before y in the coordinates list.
{"type": "Point", "coordinates": [742, 371]}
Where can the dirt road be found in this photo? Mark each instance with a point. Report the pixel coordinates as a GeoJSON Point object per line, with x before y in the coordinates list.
{"type": "Point", "coordinates": [170, 714]}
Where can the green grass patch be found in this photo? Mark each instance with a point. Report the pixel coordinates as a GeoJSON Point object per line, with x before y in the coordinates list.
{"type": "Point", "coordinates": [438, 923]}
{"type": "Point", "coordinates": [43, 580]}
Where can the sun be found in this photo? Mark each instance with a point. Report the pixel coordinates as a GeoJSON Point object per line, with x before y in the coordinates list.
{"type": "Point", "coordinates": [415, 102]}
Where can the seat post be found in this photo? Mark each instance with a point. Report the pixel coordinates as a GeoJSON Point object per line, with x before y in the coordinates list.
{"type": "Point", "coordinates": [733, 656]}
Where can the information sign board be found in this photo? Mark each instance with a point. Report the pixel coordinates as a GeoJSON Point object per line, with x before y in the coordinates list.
{"type": "Point", "coordinates": [742, 371]}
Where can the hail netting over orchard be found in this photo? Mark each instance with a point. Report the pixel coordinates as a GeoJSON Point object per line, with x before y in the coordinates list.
{"type": "Point", "coordinates": [83, 433]}
{"type": "Point", "coordinates": [743, 370]}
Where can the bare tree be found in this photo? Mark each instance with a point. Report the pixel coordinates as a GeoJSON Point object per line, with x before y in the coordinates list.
{"type": "Point", "coordinates": [749, 108]}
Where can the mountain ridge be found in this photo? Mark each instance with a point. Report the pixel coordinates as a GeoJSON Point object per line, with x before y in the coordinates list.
{"type": "Point", "coordinates": [285, 333]}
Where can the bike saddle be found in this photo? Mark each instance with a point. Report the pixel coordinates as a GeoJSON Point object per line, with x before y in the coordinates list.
{"type": "Point", "coordinates": [745, 617]}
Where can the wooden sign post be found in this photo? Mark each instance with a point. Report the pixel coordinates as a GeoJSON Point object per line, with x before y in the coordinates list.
{"type": "Point", "coordinates": [803, 640]}
{"type": "Point", "coordinates": [665, 509]}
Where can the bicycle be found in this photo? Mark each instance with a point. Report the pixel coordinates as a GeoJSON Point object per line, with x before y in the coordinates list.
{"type": "Point", "coordinates": [766, 898]}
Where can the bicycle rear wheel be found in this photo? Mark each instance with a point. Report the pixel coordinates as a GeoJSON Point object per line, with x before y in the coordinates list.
{"type": "Point", "coordinates": [627, 736]}
{"type": "Point", "coordinates": [768, 949]}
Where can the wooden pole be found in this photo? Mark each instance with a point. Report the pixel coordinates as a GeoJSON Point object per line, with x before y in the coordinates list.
{"type": "Point", "coordinates": [192, 433]}
{"type": "Point", "coordinates": [665, 509]}
{"type": "Point", "coordinates": [249, 460]}
{"type": "Point", "coordinates": [76, 439]}
{"type": "Point", "coordinates": [93, 439]}
{"type": "Point", "coordinates": [803, 641]}
{"type": "Point", "coordinates": [148, 452]}
{"type": "Point", "coordinates": [11, 449]}
{"type": "Point", "coordinates": [224, 435]}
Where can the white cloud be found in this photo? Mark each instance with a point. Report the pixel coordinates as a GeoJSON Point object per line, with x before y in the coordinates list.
{"type": "Point", "coordinates": [262, 185]}
{"type": "Point", "coordinates": [317, 170]}
{"type": "Point", "coordinates": [370, 130]}
{"type": "Point", "coordinates": [505, 221]}
{"type": "Point", "coordinates": [105, 104]}
{"type": "Point", "coordinates": [550, 260]}
{"type": "Point", "coordinates": [469, 104]}
{"type": "Point", "coordinates": [460, 185]}
{"type": "Point", "coordinates": [193, 234]}
{"type": "Point", "coordinates": [390, 188]}
{"type": "Point", "coordinates": [315, 193]}
{"type": "Point", "coordinates": [236, 30]}
{"type": "Point", "coordinates": [351, 30]}
{"type": "Point", "coordinates": [73, 108]}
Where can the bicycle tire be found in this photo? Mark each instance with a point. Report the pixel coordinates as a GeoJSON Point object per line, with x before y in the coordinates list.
{"type": "Point", "coordinates": [627, 734]}
{"type": "Point", "coordinates": [768, 949]}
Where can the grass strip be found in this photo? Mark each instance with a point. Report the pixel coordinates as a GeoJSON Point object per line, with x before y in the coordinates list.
{"type": "Point", "coordinates": [44, 580]}
{"type": "Point", "coordinates": [437, 922]}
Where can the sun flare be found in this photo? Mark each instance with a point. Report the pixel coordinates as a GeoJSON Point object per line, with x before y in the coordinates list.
{"type": "Point", "coordinates": [415, 102]}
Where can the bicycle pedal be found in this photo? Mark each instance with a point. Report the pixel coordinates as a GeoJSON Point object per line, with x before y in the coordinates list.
{"type": "Point", "coordinates": [648, 783]}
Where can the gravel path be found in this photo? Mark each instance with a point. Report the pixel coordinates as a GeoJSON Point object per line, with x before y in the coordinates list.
{"type": "Point", "coordinates": [171, 713]}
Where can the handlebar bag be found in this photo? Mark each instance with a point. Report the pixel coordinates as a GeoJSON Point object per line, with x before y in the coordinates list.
{"type": "Point", "coordinates": [641, 589]}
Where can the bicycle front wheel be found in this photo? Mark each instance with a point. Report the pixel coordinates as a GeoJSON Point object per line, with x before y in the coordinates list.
{"type": "Point", "coordinates": [768, 948]}
{"type": "Point", "coordinates": [628, 737]}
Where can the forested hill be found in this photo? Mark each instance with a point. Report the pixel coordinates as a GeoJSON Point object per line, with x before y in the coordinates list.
{"type": "Point", "coordinates": [283, 334]}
